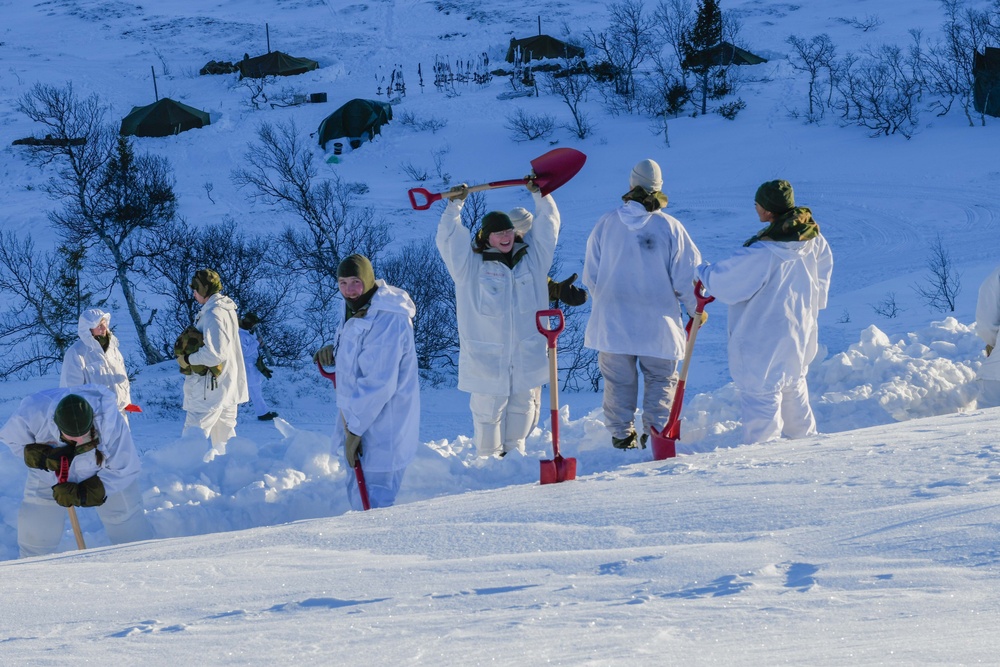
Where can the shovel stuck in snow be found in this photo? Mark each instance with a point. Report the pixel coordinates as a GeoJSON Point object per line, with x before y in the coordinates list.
{"type": "Point", "coordinates": [665, 441]}
{"type": "Point", "coordinates": [359, 474]}
{"type": "Point", "coordinates": [558, 469]}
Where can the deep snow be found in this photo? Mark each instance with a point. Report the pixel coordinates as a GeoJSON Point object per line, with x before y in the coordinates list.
{"type": "Point", "coordinates": [872, 543]}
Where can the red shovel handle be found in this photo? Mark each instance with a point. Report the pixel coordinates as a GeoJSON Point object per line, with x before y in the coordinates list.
{"type": "Point", "coordinates": [328, 375]}
{"type": "Point", "coordinates": [429, 198]}
{"type": "Point", "coordinates": [553, 333]}
{"type": "Point", "coordinates": [702, 297]}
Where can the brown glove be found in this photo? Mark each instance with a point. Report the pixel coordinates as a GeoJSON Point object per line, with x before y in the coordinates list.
{"type": "Point", "coordinates": [352, 447]}
{"type": "Point", "coordinates": [324, 355]}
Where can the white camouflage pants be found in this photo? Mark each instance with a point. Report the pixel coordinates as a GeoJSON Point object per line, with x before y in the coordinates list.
{"type": "Point", "coordinates": [621, 391]}
{"type": "Point", "coordinates": [501, 423]}
{"type": "Point", "coordinates": [768, 416]}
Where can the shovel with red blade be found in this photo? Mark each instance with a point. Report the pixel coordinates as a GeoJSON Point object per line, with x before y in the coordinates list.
{"type": "Point", "coordinates": [558, 469]}
{"type": "Point", "coordinates": [665, 441]}
{"type": "Point", "coordinates": [63, 476]}
{"type": "Point", "coordinates": [359, 474]}
{"type": "Point", "coordinates": [548, 171]}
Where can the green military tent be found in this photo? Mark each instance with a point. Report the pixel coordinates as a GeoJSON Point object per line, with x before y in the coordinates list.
{"type": "Point", "coordinates": [274, 63]}
{"type": "Point", "coordinates": [723, 54]}
{"type": "Point", "coordinates": [541, 47]}
{"type": "Point", "coordinates": [986, 81]}
{"type": "Point", "coordinates": [358, 119]}
{"type": "Point", "coordinates": [162, 118]}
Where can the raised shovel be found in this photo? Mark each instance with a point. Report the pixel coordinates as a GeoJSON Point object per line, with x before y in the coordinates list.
{"type": "Point", "coordinates": [665, 441]}
{"type": "Point", "coordinates": [548, 171]}
{"type": "Point", "coordinates": [359, 474]}
{"type": "Point", "coordinates": [558, 469]}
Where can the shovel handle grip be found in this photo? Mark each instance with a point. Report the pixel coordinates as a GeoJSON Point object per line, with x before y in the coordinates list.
{"type": "Point", "coordinates": [553, 333]}
{"type": "Point", "coordinates": [702, 297]}
{"type": "Point", "coordinates": [429, 198]}
{"type": "Point", "coordinates": [327, 374]}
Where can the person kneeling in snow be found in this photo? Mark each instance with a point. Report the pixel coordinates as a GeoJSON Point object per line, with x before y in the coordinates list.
{"type": "Point", "coordinates": [378, 389]}
{"type": "Point", "coordinates": [775, 287]}
{"type": "Point", "coordinates": [81, 424]}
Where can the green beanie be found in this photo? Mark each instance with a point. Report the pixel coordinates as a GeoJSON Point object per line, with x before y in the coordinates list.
{"type": "Point", "coordinates": [74, 416]}
{"type": "Point", "coordinates": [776, 196]}
{"type": "Point", "coordinates": [206, 282]}
{"type": "Point", "coordinates": [357, 266]}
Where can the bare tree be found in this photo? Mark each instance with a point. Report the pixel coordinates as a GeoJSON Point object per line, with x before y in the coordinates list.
{"type": "Point", "coordinates": [672, 19]}
{"type": "Point", "coordinates": [626, 43]}
{"type": "Point", "coordinates": [943, 283]}
{"type": "Point", "coordinates": [113, 199]}
{"type": "Point", "coordinates": [524, 126]}
{"type": "Point", "coordinates": [571, 87]}
{"type": "Point", "coordinates": [949, 60]}
{"type": "Point", "coordinates": [880, 92]}
{"type": "Point", "coordinates": [888, 307]}
{"type": "Point", "coordinates": [813, 57]}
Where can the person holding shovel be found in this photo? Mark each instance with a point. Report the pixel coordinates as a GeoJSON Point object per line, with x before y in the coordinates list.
{"type": "Point", "coordinates": [987, 328]}
{"type": "Point", "coordinates": [775, 286]}
{"type": "Point", "coordinates": [378, 388]}
{"type": "Point", "coordinates": [500, 283]}
{"type": "Point", "coordinates": [640, 270]}
{"type": "Point", "coordinates": [96, 359]}
{"type": "Point", "coordinates": [83, 428]}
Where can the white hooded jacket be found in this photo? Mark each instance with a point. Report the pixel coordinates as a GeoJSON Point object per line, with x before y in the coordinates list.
{"type": "Point", "coordinates": [217, 321]}
{"type": "Point", "coordinates": [774, 291]}
{"type": "Point", "coordinates": [378, 387]}
{"type": "Point", "coordinates": [250, 346]}
{"type": "Point", "coordinates": [500, 349]}
{"type": "Point", "coordinates": [34, 421]}
{"type": "Point", "coordinates": [988, 324]}
{"type": "Point", "coordinates": [640, 268]}
{"type": "Point", "coordinates": [86, 363]}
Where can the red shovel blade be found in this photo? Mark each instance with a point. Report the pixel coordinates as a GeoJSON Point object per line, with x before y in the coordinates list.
{"type": "Point", "coordinates": [558, 469]}
{"type": "Point", "coordinates": [132, 407]}
{"type": "Point", "coordinates": [664, 447]}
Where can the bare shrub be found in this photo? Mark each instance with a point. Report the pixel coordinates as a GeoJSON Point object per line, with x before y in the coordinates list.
{"type": "Point", "coordinates": [887, 307]}
{"type": "Point", "coordinates": [943, 283]}
{"type": "Point", "coordinates": [524, 126]}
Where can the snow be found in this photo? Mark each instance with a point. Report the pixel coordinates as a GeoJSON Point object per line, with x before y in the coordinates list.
{"type": "Point", "coordinates": [875, 542]}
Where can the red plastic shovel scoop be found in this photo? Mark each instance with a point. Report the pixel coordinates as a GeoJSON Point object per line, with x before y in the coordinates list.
{"type": "Point", "coordinates": [359, 474]}
{"type": "Point", "coordinates": [549, 171]}
{"type": "Point", "coordinates": [665, 441]}
{"type": "Point", "coordinates": [558, 469]}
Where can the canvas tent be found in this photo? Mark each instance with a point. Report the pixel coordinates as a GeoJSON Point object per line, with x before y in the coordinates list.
{"type": "Point", "coordinates": [274, 63]}
{"type": "Point", "coordinates": [162, 119]}
{"type": "Point", "coordinates": [986, 85]}
{"type": "Point", "coordinates": [356, 120]}
{"type": "Point", "coordinates": [723, 54]}
{"type": "Point", "coordinates": [541, 47]}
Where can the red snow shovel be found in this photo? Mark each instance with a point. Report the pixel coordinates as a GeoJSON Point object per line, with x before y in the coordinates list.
{"type": "Point", "coordinates": [665, 441]}
{"type": "Point", "coordinates": [359, 474]}
{"type": "Point", "coordinates": [558, 469]}
{"type": "Point", "coordinates": [73, 521]}
{"type": "Point", "coordinates": [549, 171]}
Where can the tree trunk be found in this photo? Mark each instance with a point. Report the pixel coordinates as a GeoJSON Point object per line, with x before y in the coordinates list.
{"type": "Point", "coordinates": [152, 355]}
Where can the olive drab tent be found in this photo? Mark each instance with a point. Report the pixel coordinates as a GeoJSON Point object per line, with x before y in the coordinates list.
{"type": "Point", "coordinates": [986, 84]}
{"type": "Point", "coordinates": [274, 63]}
{"type": "Point", "coordinates": [723, 54]}
{"type": "Point", "coordinates": [162, 119]}
{"type": "Point", "coordinates": [357, 120]}
{"type": "Point", "coordinates": [541, 47]}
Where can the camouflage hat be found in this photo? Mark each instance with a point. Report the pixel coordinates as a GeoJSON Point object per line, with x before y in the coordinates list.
{"type": "Point", "coordinates": [74, 416]}
{"type": "Point", "coordinates": [206, 282]}
{"type": "Point", "coordinates": [775, 196]}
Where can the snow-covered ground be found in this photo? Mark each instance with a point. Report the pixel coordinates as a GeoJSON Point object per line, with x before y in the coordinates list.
{"type": "Point", "coordinates": [872, 543]}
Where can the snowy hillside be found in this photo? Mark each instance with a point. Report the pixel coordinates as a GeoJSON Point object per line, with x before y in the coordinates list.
{"type": "Point", "coordinates": [872, 543]}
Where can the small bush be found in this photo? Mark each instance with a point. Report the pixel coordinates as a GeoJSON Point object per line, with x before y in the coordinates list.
{"type": "Point", "coordinates": [730, 110]}
{"type": "Point", "coordinates": [528, 127]}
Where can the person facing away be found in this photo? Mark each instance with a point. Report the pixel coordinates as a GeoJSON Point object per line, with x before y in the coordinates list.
{"type": "Point", "coordinates": [500, 283]}
{"type": "Point", "coordinates": [640, 270]}
{"type": "Point", "coordinates": [96, 359]}
{"type": "Point", "coordinates": [987, 326]}
{"type": "Point", "coordinates": [210, 356]}
{"type": "Point", "coordinates": [378, 385]}
{"type": "Point", "coordinates": [775, 286]}
{"type": "Point", "coordinates": [256, 369]}
{"type": "Point", "coordinates": [83, 426]}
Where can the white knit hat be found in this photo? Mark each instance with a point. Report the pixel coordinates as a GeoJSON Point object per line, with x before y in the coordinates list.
{"type": "Point", "coordinates": [646, 174]}
{"type": "Point", "coordinates": [521, 218]}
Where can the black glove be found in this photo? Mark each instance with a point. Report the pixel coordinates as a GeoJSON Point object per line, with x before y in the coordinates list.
{"type": "Point", "coordinates": [567, 292]}
{"type": "Point", "coordinates": [55, 455]}
{"type": "Point", "coordinates": [88, 493]}
{"type": "Point", "coordinates": [264, 370]}
{"type": "Point", "coordinates": [35, 455]}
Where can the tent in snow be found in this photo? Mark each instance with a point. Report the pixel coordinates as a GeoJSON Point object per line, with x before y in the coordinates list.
{"type": "Point", "coordinates": [274, 63]}
{"type": "Point", "coordinates": [986, 84]}
{"type": "Point", "coordinates": [162, 118]}
{"type": "Point", "coordinates": [356, 120]}
{"type": "Point", "coordinates": [722, 55]}
{"type": "Point", "coordinates": [540, 47]}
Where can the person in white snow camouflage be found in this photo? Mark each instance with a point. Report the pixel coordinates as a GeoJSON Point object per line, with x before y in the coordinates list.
{"type": "Point", "coordinates": [775, 287]}
{"type": "Point", "coordinates": [640, 269]}
{"type": "Point", "coordinates": [987, 326]}
{"type": "Point", "coordinates": [96, 359]}
{"type": "Point", "coordinates": [256, 369]}
{"type": "Point", "coordinates": [378, 386]}
{"type": "Point", "coordinates": [500, 283]}
{"type": "Point", "coordinates": [84, 426]}
{"type": "Point", "coordinates": [216, 381]}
